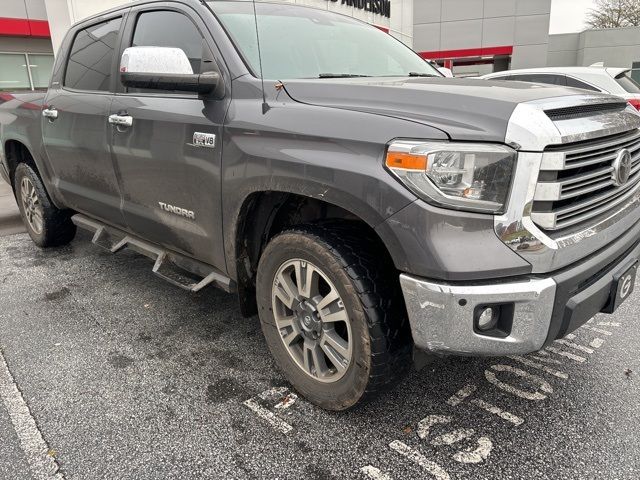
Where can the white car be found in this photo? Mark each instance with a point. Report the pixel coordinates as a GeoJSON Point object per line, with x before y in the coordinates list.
{"type": "Point", "coordinates": [615, 81]}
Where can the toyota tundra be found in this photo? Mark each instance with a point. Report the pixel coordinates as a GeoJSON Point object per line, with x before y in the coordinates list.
{"type": "Point", "coordinates": [366, 208]}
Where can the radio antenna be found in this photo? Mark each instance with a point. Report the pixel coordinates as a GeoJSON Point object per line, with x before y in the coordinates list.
{"type": "Point", "coordinates": [265, 105]}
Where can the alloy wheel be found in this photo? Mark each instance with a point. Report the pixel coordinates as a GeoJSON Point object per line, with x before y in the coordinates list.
{"type": "Point", "coordinates": [312, 320]}
{"type": "Point", "coordinates": [31, 205]}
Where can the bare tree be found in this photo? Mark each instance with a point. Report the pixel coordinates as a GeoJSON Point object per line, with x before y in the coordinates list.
{"type": "Point", "coordinates": [614, 14]}
{"type": "Point", "coordinates": [633, 13]}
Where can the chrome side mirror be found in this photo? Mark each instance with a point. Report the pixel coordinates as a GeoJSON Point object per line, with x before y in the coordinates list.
{"type": "Point", "coordinates": [163, 68]}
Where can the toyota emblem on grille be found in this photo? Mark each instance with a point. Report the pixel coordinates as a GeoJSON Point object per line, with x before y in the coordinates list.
{"type": "Point", "coordinates": [622, 167]}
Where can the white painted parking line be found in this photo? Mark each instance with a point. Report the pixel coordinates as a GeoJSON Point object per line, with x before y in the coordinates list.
{"type": "Point", "coordinates": [276, 392]}
{"type": "Point", "coordinates": [544, 357]}
{"type": "Point", "coordinates": [597, 330]}
{"type": "Point", "coordinates": [562, 353]}
{"type": "Point", "coordinates": [278, 424]}
{"type": "Point", "coordinates": [543, 387]}
{"type": "Point", "coordinates": [285, 400]}
{"type": "Point", "coordinates": [427, 465]}
{"type": "Point", "coordinates": [42, 464]}
{"type": "Point", "coordinates": [429, 421]}
{"type": "Point", "coordinates": [374, 473]}
{"type": "Point", "coordinates": [509, 417]}
{"type": "Point", "coordinates": [575, 346]}
{"type": "Point", "coordinates": [608, 324]}
{"type": "Point", "coordinates": [452, 437]}
{"type": "Point", "coordinates": [478, 455]}
{"type": "Point", "coordinates": [596, 343]}
{"type": "Point", "coordinates": [544, 368]}
{"type": "Point", "coordinates": [464, 393]}
{"type": "Point", "coordinates": [458, 397]}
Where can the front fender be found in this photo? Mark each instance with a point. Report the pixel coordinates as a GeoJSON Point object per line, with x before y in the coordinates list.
{"type": "Point", "coordinates": [324, 153]}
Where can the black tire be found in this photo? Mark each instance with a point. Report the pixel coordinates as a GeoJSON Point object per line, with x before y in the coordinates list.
{"type": "Point", "coordinates": [369, 288]}
{"type": "Point", "coordinates": [56, 227]}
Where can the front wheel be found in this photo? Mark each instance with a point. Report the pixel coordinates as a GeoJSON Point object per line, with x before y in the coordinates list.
{"type": "Point", "coordinates": [332, 314]}
{"type": "Point", "coordinates": [47, 225]}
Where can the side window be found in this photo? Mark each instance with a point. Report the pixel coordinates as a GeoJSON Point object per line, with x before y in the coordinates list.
{"type": "Point", "coordinates": [558, 80]}
{"type": "Point", "coordinates": [575, 83]}
{"type": "Point", "coordinates": [541, 78]}
{"type": "Point", "coordinates": [169, 29]}
{"type": "Point", "coordinates": [91, 56]}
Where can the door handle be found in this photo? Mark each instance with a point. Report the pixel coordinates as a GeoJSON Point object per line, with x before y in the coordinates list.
{"type": "Point", "coordinates": [50, 113]}
{"type": "Point", "coordinates": [122, 120]}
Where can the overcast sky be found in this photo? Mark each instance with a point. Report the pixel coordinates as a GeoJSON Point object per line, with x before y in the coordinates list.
{"type": "Point", "coordinates": [569, 15]}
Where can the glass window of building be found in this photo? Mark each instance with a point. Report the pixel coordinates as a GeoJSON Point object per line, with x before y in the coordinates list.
{"type": "Point", "coordinates": [25, 71]}
{"type": "Point", "coordinates": [40, 66]}
{"type": "Point", "coordinates": [13, 72]}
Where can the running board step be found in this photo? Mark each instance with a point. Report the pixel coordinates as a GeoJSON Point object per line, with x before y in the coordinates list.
{"type": "Point", "coordinates": [173, 267]}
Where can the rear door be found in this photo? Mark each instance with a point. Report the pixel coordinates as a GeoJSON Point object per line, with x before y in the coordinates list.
{"type": "Point", "coordinates": [171, 182]}
{"type": "Point", "coordinates": [76, 134]}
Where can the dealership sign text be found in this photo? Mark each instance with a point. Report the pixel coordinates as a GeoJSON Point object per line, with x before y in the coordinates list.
{"type": "Point", "coordinates": [382, 7]}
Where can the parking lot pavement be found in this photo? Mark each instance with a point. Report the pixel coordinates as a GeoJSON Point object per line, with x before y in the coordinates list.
{"type": "Point", "coordinates": [10, 221]}
{"type": "Point", "coordinates": [125, 376]}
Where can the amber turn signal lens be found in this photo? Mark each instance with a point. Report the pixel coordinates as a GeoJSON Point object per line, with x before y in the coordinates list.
{"type": "Point", "coordinates": [406, 161]}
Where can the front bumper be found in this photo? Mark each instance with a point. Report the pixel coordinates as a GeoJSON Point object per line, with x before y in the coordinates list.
{"type": "Point", "coordinates": [541, 308]}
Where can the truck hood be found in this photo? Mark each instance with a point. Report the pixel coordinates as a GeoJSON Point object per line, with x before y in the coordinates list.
{"type": "Point", "coordinates": [465, 109]}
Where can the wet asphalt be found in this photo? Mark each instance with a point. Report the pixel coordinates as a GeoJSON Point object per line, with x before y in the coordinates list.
{"type": "Point", "coordinates": [129, 377]}
{"type": "Point", "coordinates": [10, 221]}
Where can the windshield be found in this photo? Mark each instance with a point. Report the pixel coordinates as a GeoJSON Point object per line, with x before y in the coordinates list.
{"type": "Point", "coordinates": [298, 42]}
{"type": "Point", "coordinates": [628, 83]}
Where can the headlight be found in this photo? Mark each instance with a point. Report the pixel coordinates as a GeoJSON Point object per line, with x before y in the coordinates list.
{"type": "Point", "coordinates": [465, 176]}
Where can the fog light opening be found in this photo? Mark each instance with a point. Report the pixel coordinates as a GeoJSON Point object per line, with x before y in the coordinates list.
{"type": "Point", "coordinates": [493, 320]}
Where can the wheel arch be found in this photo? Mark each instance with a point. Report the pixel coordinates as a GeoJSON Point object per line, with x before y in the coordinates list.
{"type": "Point", "coordinates": [264, 214]}
{"type": "Point", "coordinates": [16, 152]}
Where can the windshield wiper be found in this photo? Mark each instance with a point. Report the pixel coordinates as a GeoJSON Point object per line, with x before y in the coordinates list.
{"type": "Point", "coordinates": [418, 74]}
{"type": "Point", "coordinates": [341, 75]}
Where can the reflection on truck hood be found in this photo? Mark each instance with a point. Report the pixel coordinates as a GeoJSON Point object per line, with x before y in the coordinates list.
{"type": "Point", "coordinates": [465, 109]}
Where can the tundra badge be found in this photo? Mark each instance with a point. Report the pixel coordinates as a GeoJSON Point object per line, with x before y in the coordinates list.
{"type": "Point", "coordinates": [207, 140]}
{"type": "Point", "coordinates": [177, 210]}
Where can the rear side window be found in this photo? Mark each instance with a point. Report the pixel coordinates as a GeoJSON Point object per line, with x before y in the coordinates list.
{"type": "Point", "coordinates": [628, 83]}
{"type": "Point", "coordinates": [91, 58]}
{"type": "Point", "coordinates": [541, 78]}
{"type": "Point", "coordinates": [575, 83]}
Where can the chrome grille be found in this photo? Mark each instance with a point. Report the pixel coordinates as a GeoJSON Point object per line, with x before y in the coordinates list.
{"type": "Point", "coordinates": [576, 182]}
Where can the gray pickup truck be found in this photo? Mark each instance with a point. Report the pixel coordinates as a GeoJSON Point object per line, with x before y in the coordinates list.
{"type": "Point", "coordinates": [365, 207]}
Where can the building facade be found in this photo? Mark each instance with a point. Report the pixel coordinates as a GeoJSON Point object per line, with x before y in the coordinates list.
{"type": "Point", "coordinates": [474, 37]}
{"type": "Point", "coordinates": [615, 47]}
{"type": "Point", "coordinates": [26, 52]}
